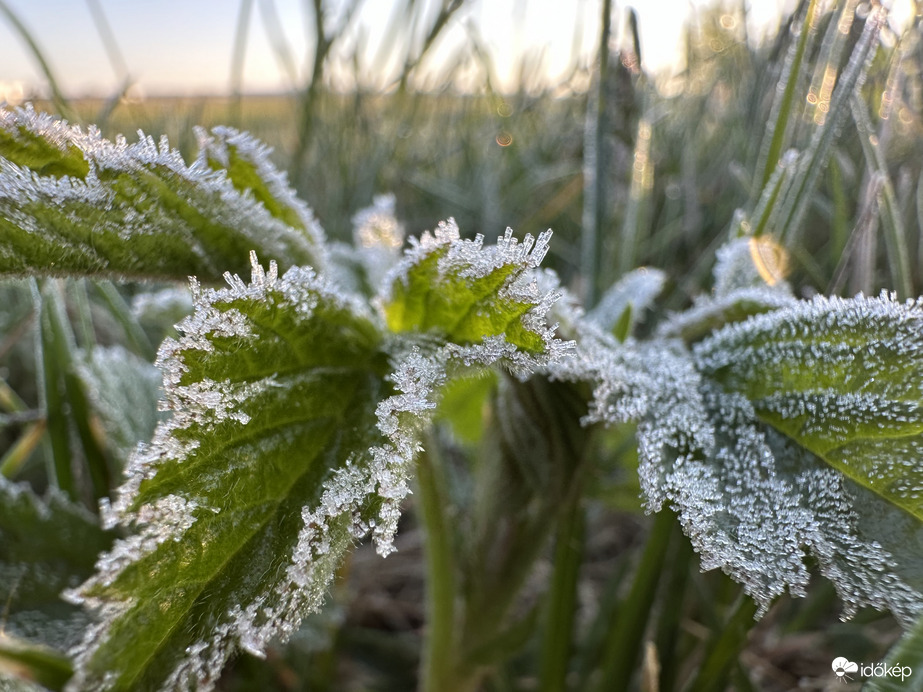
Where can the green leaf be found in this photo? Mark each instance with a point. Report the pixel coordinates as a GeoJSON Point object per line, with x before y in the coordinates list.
{"type": "Point", "coordinates": [465, 293]}
{"type": "Point", "coordinates": [842, 378]}
{"type": "Point", "coordinates": [74, 203]}
{"type": "Point", "coordinates": [246, 162]}
{"type": "Point", "coordinates": [46, 546]}
{"type": "Point", "coordinates": [754, 502]}
{"type": "Point", "coordinates": [123, 390]}
{"type": "Point", "coordinates": [34, 667]}
{"type": "Point", "coordinates": [246, 499]}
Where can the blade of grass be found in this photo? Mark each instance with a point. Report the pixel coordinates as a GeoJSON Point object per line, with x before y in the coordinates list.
{"type": "Point", "coordinates": [10, 401]}
{"type": "Point", "coordinates": [278, 42]}
{"type": "Point", "coordinates": [624, 642]}
{"type": "Point", "coordinates": [767, 208]}
{"type": "Point", "coordinates": [839, 223]}
{"type": "Point", "coordinates": [238, 57]}
{"type": "Point", "coordinates": [725, 647]}
{"type": "Point", "coordinates": [72, 406]}
{"type": "Point", "coordinates": [814, 159]}
{"type": "Point", "coordinates": [110, 43]}
{"type": "Point", "coordinates": [561, 603]}
{"type": "Point", "coordinates": [77, 289]}
{"type": "Point", "coordinates": [817, 103]}
{"type": "Point", "coordinates": [446, 11]}
{"type": "Point", "coordinates": [51, 396]}
{"type": "Point", "coordinates": [16, 456]}
{"type": "Point", "coordinates": [60, 101]}
{"type": "Point", "coordinates": [895, 232]}
{"type": "Point", "coordinates": [120, 310]}
{"type": "Point", "coordinates": [637, 222]}
{"type": "Point", "coordinates": [780, 119]}
{"type": "Point", "coordinates": [594, 167]}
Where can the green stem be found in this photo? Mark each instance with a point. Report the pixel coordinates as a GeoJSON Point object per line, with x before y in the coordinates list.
{"type": "Point", "coordinates": [625, 639]}
{"type": "Point", "coordinates": [671, 608]}
{"type": "Point", "coordinates": [439, 655]}
{"type": "Point", "coordinates": [562, 600]}
{"type": "Point", "coordinates": [725, 647]}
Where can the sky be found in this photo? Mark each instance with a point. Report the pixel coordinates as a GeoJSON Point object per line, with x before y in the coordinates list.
{"type": "Point", "coordinates": [186, 47]}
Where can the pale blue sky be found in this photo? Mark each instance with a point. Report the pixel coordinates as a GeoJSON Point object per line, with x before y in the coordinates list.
{"type": "Point", "coordinates": [185, 46]}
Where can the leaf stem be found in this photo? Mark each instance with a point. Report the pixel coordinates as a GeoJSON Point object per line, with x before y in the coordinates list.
{"type": "Point", "coordinates": [562, 600]}
{"type": "Point", "coordinates": [438, 668]}
{"type": "Point", "coordinates": [624, 641]}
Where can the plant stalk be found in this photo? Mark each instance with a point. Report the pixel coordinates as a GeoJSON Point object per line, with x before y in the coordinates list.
{"type": "Point", "coordinates": [438, 668]}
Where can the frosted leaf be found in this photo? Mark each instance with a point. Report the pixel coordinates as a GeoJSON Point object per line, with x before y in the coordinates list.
{"type": "Point", "coordinates": [46, 545]}
{"type": "Point", "coordinates": [72, 202]}
{"type": "Point", "coordinates": [123, 390]}
{"type": "Point", "coordinates": [635, 292]}
{"type": "Point", "coordinates": [242, 505]}
{"type": "Point", "coordinates": [843, 378]}
{"type": "Point", "coordinates": [758, 505]}
{"type": "Point", "coordinates": [467, 294]}
{"type": "Point", "coordinates": [748, 281]}
{"type": "Point", "coordinates": [840, 378]}
{"type": "Point", "coordinates": [246, 161]}
{"type": "Point", "coordinates": [654, 385]}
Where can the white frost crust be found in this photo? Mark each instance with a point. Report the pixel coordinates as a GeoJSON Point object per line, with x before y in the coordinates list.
{"type": "Point", "coordinates": [712, 309]}
{"type": "Point", "coordinates": [20, 187]}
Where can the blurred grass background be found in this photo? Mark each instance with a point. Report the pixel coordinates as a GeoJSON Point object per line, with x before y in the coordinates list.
{"type": "Point", "coordinates": [676, 157]}
{"type": "Point", "coordinates": [629, 168]}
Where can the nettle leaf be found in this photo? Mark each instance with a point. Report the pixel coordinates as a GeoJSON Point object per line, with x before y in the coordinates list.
{"type": "Point", "coordinates": [294, 426]}
{"type": "Point", "coordinates": [467, 294]}
{"type": "Point", "coordinates": [74, 203]}
{"type": "Point", "coordinates": [46, 546]}
{"type": "Point", "coordinates": [246, 499]}
{"type": "Point", "coordinates": [842, 378]}
{"type": "Point", "coordinates": [754, 502]}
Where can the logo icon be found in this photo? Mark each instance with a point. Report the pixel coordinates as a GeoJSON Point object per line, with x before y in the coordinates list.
{"type": "Point", "coordinates": [841, 666]}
